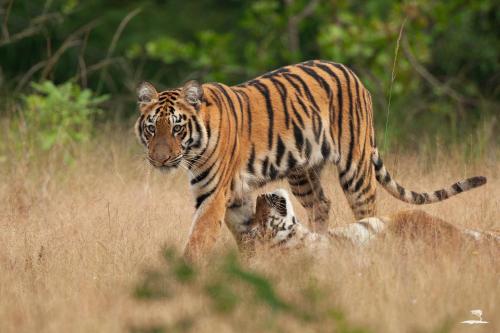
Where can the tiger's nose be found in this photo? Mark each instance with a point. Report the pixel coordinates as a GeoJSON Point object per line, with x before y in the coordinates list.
{"type": "Point", "coordinates": [159, 159]}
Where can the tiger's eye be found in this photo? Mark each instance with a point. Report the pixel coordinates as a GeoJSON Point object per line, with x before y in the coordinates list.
{"type": "Point", "coordinates": [151, 128]}
{"type": "Point", "coordinates": [177, 128]}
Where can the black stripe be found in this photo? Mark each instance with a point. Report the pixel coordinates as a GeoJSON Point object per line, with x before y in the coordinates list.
{"type": "Point", "coordinates": [235, 204]}
{"type": "Point", "coordinates": [240, 108]}
{"type": "Point", "coordinates": [307, 91]}
{"type": "Point", "coordinates": [264, 166]}
{"type": "Point", "coordinates": [218, 133]}
{"type": "Point", "coordinates": [325, 148]}
{"type": "Point", "coordinates": [209, 131]}
{"type": "Point", "coordinates": [303, 106]}
{"type": "Point", "coordinates": [140, 130]}
{"type": "Point", "coordinates": [202, 175]}
{"type": "Point", "coordinates": [387, 178]}
{"type": "Point", "coordinates": [347, 184]}
{"type": "Point", "coordinates": [358, 107]}
{"type": "Point", "coordinates": [306, 193]}
{"type": "Point", "coordinates": [456, 187]}
{"type": "Point", "coordinates": [299, 139]}
{"type": "Point", "coordinates": [273, 172]}
{"type": "Point", "coordinates": [383, 179]}
{"type": "Point", "coordinates": [262, 88]}
{"type": "Point", "coordinates": [231, 106]}
{"type": "Point", "coordinates": [203, 197]}
{"type": "Point", "coordinates": [359, 183]}
{"type": "Point", "coordinates": [317, 126]}
{"type": "Point", "coordinates": [340, 99]}
{"type": "Point", "coordinates": [291, 162]}
{"type": "Point", "coordinates": [251, 160]}
{"type": "Point", "coordinates": [283, 94]}
{"type": "Point", "coordinates": [233, 111]}
{"type": "Point", "coordinates": [280, 151]}
{"type": "Point", "coordinates": [275, 72]}
{"type": "Point", "coordinates": [362, 212]}
{"type": "Point", "coordinates": [365, 190]}
{"type": "Point", "coordinates": [378, 164]}
{"type": "Point", "coordinates": [248, 109]}
{"type": "Point", "coordinates": [298, 116]}
{"type": "Point", "coordinates": [351, 129]}
{"type": "Point", "coordinates": [298, 181]}
{"type": "Point", "coordinates": [198, 143]}
{"type": "Point", "coordinates": [294, 85]}
{"type": "Point", "coordinates": [307, 204]}
{"type": "Point", "coordinates": [218, 101]}
{"type": "Point", "coordinates": [441, 194]}
{"type": "Point", "coordinates": [197, 130]}
{"type": "Point", "coordinates": [417, 198]}
{"type": "Point", "coordinates": [308, 149]}
{"type": "Point", "coordinates": [312, 73]}
{"type": "Point", "coordinates": [365, 201]}
{"type": "Point", "coordinates": [401, 190]}
{"type": "Point", "coordinates": [214, 175]}
{"type": "Point", "coordinates": [229, 101]}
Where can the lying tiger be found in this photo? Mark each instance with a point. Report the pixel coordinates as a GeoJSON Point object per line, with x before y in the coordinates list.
{"type": "Point", "coordinates": [275, 225]}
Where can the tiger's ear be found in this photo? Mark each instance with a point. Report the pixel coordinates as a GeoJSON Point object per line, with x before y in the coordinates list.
{"type": "Point", "coordinates": [192, 92]}
{"type": "Point", "coordinates": [146, 93]}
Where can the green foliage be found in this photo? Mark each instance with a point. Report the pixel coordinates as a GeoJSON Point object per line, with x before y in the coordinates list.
{"type": "Point", "coordinates": [58, 116]}
{"type": "Point", "coordinates": [443, 86]}
{"type": "Point", "coordinates": [229, 290]}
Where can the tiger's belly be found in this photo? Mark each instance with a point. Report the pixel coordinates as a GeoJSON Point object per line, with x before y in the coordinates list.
{"type": "Point", "coordinates": [261, 169]}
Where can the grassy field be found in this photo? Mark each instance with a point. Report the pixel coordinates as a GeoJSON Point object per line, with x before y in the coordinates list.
{"type": "Point", "coordinates": [75, 240]}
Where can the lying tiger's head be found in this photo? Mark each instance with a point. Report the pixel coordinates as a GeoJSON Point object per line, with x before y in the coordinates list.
{"type": "Point", "coordinates": [275, 219]}
{"type": "Point", "coordinates": [169, 125]}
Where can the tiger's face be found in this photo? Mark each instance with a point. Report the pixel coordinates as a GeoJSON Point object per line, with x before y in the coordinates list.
{"type": "Point", "coordinates": [169, 125]}
{"type": "Point", "coordinates": [275, 219]}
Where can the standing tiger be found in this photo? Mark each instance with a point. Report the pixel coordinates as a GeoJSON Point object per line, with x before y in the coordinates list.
{"type": "Point", "coordinates": [287, 123]}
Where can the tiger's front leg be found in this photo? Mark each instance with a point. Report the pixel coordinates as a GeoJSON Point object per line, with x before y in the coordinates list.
{"type": "Point", "coordinates": [206, 227]}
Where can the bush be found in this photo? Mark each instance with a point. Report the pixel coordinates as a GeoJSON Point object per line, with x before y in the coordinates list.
{"type": "Point", "coordinates": [234, 295]}
{"type": "Point", "coordinates": [57, 116]}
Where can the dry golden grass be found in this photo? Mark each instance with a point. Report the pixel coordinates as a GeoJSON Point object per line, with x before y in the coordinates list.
{"type": "Point", "coordinates": [74, 240]}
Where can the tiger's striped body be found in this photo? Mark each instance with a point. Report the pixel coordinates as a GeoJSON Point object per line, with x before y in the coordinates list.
{"type": "Point", "coordinates": [288, 123]}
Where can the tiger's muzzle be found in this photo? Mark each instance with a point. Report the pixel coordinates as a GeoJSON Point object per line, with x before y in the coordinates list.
{"type": "Point", "coordinates": [165, 163]}
{"type": "Point", "coordinates": [164, 149]}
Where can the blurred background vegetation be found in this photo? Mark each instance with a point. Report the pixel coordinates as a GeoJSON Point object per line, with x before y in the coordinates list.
{"type": "Point", "coordinates": [436, 84]}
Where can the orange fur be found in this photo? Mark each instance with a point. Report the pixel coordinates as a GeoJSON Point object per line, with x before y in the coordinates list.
{"type": "Point", "coordinates": [288, 123]}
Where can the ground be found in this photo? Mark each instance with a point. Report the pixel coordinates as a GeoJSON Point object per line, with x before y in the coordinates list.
{"type": "Point", "coordinates": [75, 239]}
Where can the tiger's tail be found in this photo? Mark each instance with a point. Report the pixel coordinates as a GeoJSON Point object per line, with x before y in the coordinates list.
{"type": "Point", "coordinates": [420, 198]}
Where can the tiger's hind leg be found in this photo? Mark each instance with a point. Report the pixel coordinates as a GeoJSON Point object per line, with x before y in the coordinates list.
{"type": "Point", "coordinates": [306, 187]}
{"type": "Point", "coordinates": [359, 187]}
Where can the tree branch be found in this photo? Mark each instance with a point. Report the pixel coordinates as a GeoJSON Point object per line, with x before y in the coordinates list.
{"type": "Point", "coordinates": [431, 79]}
{"type": "Point", "coordinates": [69, 42]}
{"type": "Point", "coordinates": [115, 39]}
{"type": "Point", "coordinates": [33, 28]}
{"type": "Point", "coordinates": [294, 22]}
{"type": "Point", "coordinates": [5, 29]}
